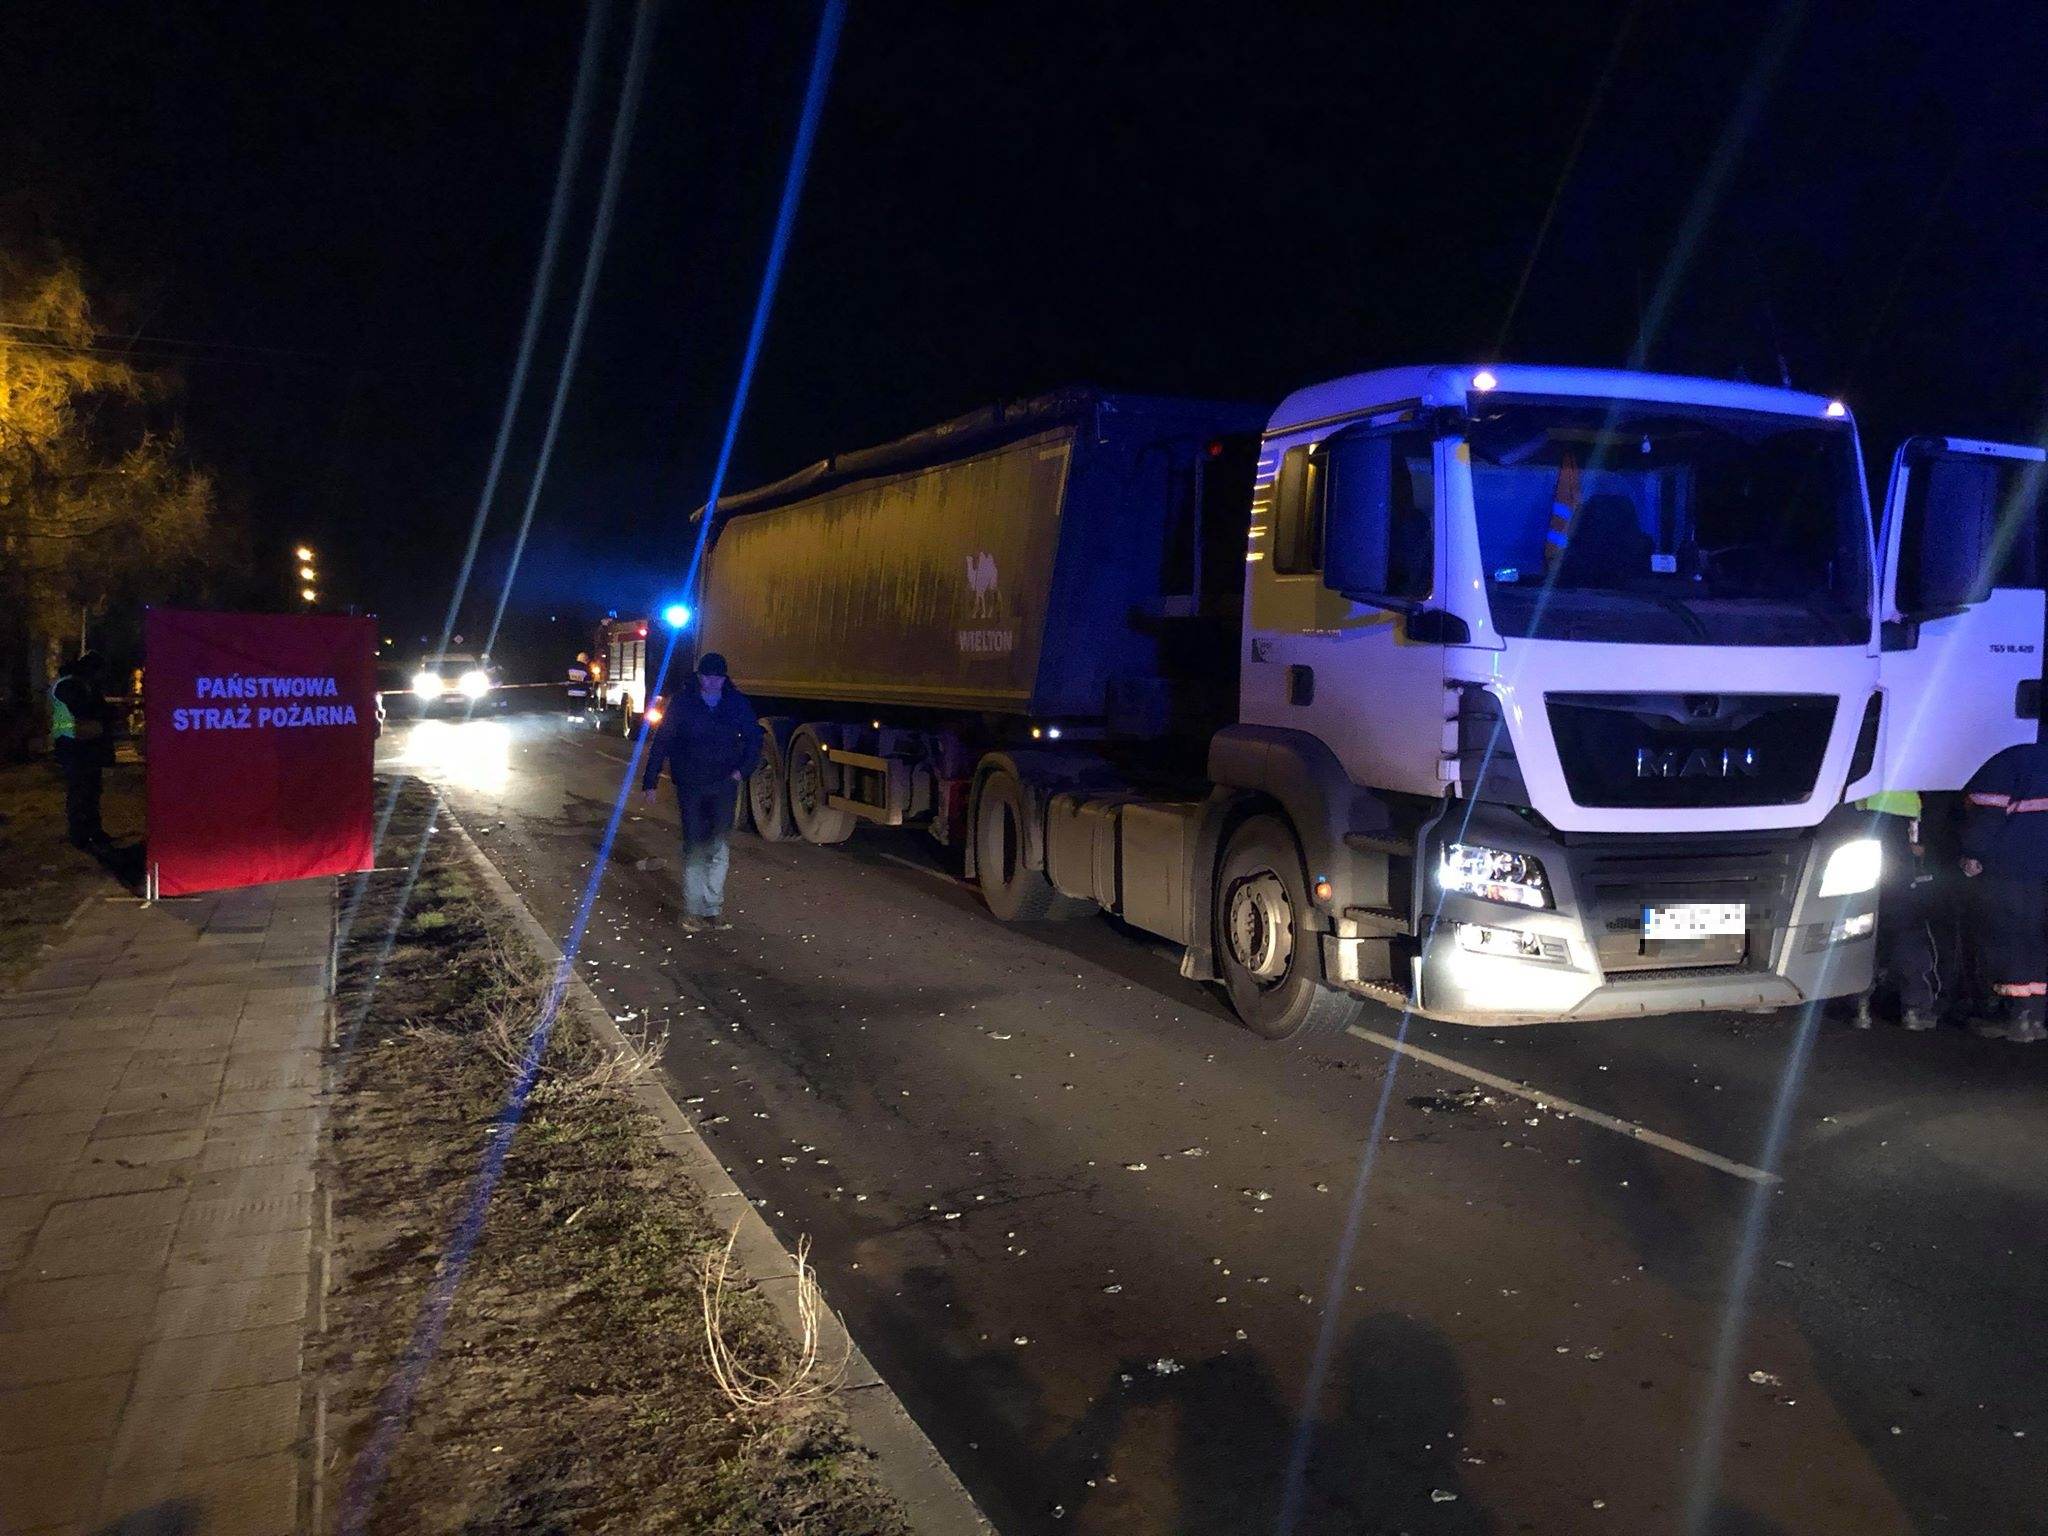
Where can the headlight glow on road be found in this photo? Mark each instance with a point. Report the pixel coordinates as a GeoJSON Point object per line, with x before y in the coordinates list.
{"type": "Point", "coordinates": [471, 754]}
{"type": "Point", "coordinates": [1853, 868]}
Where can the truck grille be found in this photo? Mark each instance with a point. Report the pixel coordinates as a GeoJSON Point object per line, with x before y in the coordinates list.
{"type": "Point", "coordinates": [1616, 878]}
{"type": "Point", "coordinates": [1673, 750]}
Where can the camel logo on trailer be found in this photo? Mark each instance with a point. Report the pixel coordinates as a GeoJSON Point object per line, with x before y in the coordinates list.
{"type": "Point", "coordinates": [981, 583]}
{"type": "Point", "coordinates": [984, 604]}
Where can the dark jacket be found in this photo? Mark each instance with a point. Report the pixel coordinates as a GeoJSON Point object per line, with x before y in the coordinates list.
{"type": "Point", "coordinates": [2005, 814]}
{"type": "Point", "coordinates": [703, 747]}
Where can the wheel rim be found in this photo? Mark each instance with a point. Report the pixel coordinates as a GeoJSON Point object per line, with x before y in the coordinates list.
{"type": "Point", "coordinates": [763, 789]}
{"type": "Point", "coordinates": [806, 785]}
{"type": "Point", "coordinates": [1259, 927]}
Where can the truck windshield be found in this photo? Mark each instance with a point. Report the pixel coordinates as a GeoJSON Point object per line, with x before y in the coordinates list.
{"type": "Point", "coordinates": [1669, 525]}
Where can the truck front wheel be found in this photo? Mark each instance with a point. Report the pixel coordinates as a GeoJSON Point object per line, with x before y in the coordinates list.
{"type": "Point", "coordinates": [1014, 892]}
{"type": "Point", "coordinates": [1269, 955]}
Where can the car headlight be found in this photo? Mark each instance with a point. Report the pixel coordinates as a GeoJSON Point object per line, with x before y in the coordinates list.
{"type": "Point", "coordinates": [476, 683]}
{"type": "Point", "coordinates": [1493, 874]}
{"type": "Point", "coordinates": [1853, 868]}
{"type": "Point", "coordinates": [426, 683]}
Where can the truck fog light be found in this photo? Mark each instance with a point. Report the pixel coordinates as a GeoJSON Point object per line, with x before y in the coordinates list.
{"type": "Point", "coordinates": [1324, 891]}
{"type": "Point", "coordinates": [1483, 940]}
{"type": "Point", "coordinates": [1853, 868]}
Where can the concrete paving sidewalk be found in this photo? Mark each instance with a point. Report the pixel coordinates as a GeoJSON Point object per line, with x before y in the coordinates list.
{"type": "Point", "coordinates": [159, 1117]}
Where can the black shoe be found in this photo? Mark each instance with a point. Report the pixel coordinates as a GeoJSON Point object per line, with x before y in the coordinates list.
{"type": "Point", "coordinates": [715, 925]}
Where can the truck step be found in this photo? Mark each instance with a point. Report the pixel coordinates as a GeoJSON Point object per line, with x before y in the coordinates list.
{"type": "Point", "coordinates": [1383, 920]}
{"type": "Point", "coordinates": [1380, 842]}
{"type": "Point", "coordinates": [1380, 992]}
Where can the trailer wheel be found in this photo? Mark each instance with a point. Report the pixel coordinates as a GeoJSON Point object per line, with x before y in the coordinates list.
{"type": "Point", "coordinates": [1269, 957]}
{"type": "Point", "coordinates": [810, 785]}
{"type": "Point", "coordinates": [768, 794]}
{"type": "Point", "coordinates": [1014, 893]}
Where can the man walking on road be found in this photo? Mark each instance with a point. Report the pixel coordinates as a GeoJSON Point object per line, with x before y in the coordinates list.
{"type": "Point", "coordinates": [81, 737]}
{"type": "Point", "coordinates": [710, 741]}
{"type": "Point", "coordinates": [579, 687]}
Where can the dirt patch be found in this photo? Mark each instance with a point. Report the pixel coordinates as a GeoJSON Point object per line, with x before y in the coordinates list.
{"type": "Point", "coordinates": [571, 1389]}
{"type": "Point", "coordinates": [42, 877]}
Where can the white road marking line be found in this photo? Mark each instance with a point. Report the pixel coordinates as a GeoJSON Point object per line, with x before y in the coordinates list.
{"type": "Point", "coordinates": [1597, 1117]}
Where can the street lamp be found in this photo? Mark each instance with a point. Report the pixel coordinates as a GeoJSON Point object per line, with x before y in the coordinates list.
{"type": "Point", "coordinates": [309, 577]}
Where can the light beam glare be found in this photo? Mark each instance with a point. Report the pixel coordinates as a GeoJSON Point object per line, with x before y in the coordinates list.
{"type": "Point", "coordinates": [395, 1402]}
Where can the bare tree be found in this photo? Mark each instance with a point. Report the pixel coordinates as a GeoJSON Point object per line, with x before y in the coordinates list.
{"type": "Point", "coordinates": [98, 504]}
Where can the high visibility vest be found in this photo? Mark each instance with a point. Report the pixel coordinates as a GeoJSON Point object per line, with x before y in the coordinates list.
{"type": "Point", "coordinates": [63, 724]}
{"type": "Point", "coordinates": [1893, 802]}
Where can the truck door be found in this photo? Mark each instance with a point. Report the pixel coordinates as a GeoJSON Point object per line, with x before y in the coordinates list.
{"type": "Point", "coordinates": [1346, 552]}
{"type": "Point", "coordinates": [1962, 602]}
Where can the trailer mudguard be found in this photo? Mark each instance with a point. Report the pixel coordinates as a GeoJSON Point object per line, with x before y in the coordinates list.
{"type": "Point", "coordinates": [1300, 774]}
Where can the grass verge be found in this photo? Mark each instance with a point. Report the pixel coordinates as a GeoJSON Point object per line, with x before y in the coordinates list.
{"type": "Point", "coordinates": [573, 1389]}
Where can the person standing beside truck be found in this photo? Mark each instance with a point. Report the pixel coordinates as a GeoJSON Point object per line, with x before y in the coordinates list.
{"type": "Point", "coordinates": [81, 738]}
{"type": "Point", "coordinates": [1905, 935]}
{"type": "Point", "coordinates": [2005, 856]}
{"type": "Point", "coordinates": [579, 686]}
{"type": "Point", "coordinates": [710, 741]}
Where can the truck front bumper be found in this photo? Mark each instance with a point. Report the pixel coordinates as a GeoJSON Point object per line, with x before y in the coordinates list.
{"type": "Point", "coordinates": [1586, 956]}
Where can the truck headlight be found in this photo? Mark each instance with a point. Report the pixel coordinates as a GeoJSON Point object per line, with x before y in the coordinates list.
{"type": "Point", "coordinates": [1493, 874]}
{"type": "Point", "coordinates": [426, 684]}
{"type": "Point", "coordinates": [475, 683]}
{"type": "Point", "coordinates": [1853, 868]}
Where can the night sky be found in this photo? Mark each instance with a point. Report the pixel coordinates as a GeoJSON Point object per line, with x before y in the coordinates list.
{"type": "Point", "coordinates": [331, 214]}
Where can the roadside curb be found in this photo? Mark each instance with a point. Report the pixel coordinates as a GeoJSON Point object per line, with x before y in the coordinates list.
{"type": "Point", "coordinates": [905, 1461]}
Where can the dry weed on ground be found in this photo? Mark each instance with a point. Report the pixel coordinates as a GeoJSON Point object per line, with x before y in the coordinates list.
{"type": "Point", "coordinates": [575, 1388]}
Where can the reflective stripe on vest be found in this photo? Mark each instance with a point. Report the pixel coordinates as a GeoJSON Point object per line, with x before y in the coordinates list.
{"type": "Point", "coordinates": [63, 724]}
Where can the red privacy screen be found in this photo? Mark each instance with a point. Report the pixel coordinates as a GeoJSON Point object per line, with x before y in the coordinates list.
{"type": "Point", "coordinates": [261, 728]}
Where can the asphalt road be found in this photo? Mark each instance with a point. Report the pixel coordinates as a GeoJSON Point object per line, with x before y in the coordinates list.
{"type": "Point", "coordinates": [1135, 1270]}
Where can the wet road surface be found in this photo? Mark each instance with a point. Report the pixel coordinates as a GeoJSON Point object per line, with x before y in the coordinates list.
{"type": "Point", "coordinates": [1089, 1229]}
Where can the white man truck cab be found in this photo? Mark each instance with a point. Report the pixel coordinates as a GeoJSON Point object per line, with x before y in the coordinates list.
{"type": "Point", "coordinates": [1601, 647]}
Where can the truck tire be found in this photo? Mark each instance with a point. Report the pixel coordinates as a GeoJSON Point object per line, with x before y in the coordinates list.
{"type": "Point", "coordinates": [810, 781]}
{"type": "Point", "coordinates": [1270, 959]}
{"type": "Point", "coordinates": [1014, 893]}
{"type": "Point", "coordinates": [768, 794]}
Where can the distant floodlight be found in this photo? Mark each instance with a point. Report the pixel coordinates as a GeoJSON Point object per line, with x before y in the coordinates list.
{"type": "Point", "coordinates": [303, 553]}
{"type": "Point", "coordinates": [1835, 408]}
{"type": "Point", "coordinates": [309, 594]}
{"type": "Point", "coordinates": [676, 615]}
{"type": "Point", "coordinates": [1484, 380]}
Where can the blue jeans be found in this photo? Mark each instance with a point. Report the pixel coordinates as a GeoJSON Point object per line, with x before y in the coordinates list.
{"type": "Point", "coordinates": [704, 864]}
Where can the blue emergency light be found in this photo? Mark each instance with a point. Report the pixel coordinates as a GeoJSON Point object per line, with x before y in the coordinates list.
{"type": "Point", "coordinates": [676, 615]}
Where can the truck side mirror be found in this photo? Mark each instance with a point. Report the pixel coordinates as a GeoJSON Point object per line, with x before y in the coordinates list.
{"type": "Point", "coordinates": [1379, 520]}
{"type": "Point", "coordinates": [1950, 546]}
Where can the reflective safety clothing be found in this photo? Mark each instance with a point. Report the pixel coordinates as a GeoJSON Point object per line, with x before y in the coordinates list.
{"type": "Point", "coordinates": [2005, 828]}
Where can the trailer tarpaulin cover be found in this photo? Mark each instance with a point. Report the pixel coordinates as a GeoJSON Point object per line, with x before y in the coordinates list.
{"type": "Point", "coordinates": [261, 730]}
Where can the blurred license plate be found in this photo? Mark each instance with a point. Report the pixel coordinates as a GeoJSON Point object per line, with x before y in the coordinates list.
{"type": "Point", "coordinates": [1695, 920]}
